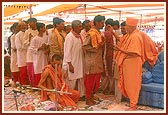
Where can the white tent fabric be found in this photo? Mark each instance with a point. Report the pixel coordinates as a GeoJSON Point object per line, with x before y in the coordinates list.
{"type": "Point", "coordinates": [146, 12]}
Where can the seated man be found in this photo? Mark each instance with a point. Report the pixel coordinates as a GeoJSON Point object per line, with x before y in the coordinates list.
{"type": "Point", "coordinates": [51, 81]}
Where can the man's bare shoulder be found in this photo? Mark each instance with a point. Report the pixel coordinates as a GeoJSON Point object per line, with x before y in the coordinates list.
{"type": "Point", "coordinates": [45, 72]}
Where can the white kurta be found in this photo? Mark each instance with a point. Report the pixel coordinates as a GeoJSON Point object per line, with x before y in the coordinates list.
{"type": "Point", "coordinates": [13, 65]}
{"type": "Point", "coordinates": [39, 58]}
{"type": "Point", "coordinates": [118, 32]}
{"type": "Point", "coordinates": [83, 34]}
{"type": "Point", "coordinates": [21, 50]}
{"type": "Point", "coordinates": [73, 54]}
{"type": "Point", "coordinates": [50, 34]}
{"type": "Point", "coordinates": [29, 33]}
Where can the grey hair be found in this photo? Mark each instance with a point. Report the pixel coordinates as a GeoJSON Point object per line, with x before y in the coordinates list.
{"type": "Point", "coordinates": [75, 23]}
{"type": "Point", "coordinates": [21, 23]}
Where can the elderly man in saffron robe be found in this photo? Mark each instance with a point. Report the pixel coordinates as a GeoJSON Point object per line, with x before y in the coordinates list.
{"type": "Point", "coordinates": [130, 59]}
{"type": "Point", "coordinates": [130, 56]}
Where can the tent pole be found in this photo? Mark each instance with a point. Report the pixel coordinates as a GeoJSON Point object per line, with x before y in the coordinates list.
{"type": "Point", "coordinates": [140, 22]}
{"type": "Point", "coordinates": [30, 10]}
{"type": "Point", "coordinates": [56, 93]}
{"type": "Point", "coordinates": [85, 10]}
{"type": "Point", "coordinates": [119, 16]}
{"type": "Point", "coordinates": [155, 21]}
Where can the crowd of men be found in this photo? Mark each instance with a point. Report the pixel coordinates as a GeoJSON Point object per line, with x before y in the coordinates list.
{"type": "Point", "coordinates": [77, 58]}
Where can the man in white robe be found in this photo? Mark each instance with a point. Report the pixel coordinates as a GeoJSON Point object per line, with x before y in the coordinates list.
{"type": "Point", "coordinates": [117, 30]}
{"type": "Point", "coordinates": [73, 57]}
{"type": "Point", "coordinates": [49, 31]}
{"type": "Point", "coordinates": [39, 45]}
{"type": "Point", "coordinates": [21, 54]}
{"type": "Point", "coordinates": [13, 65]}
{"type": "Point", "coordinates": [28, 36]}
{"type": "Point", "coordinates": [86, 27]}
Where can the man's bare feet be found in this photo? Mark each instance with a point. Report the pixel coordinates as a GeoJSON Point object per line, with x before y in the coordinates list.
{"type": "Point", "coordinates": [134, 108]}
{"type": "Point", "coordinates": [95, 98]}
{"type": "Point", "coordinates": [89, 102]}
{"type": "Point", "coordinates": [94, 102]}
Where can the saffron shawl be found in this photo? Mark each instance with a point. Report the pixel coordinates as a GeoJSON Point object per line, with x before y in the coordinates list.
{"type": "Point", "coordinates": [95, 36]}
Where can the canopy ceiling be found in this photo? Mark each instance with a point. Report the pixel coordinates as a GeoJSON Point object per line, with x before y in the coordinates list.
{"type": "Point", "coordinates": [147, 11]}
{"type": "Point", "coordinates": [15, 8]}
{"type": "Point", "coordinates": [60, 8]}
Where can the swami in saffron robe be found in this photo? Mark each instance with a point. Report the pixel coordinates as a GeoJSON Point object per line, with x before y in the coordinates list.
{"type": "Point", "coordinates": [130, 67]}
{"type": "Point", "coordinates": [63, 99]}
